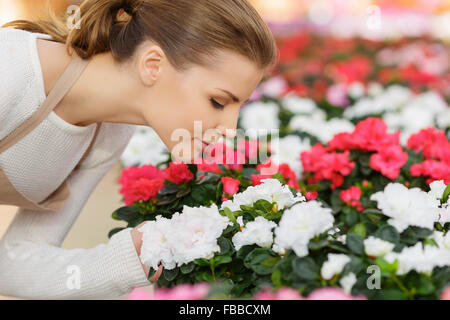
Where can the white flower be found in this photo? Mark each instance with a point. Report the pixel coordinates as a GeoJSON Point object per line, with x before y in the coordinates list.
{"type": "Point", "coordinates": [298, 104]}
{"type": "Point", "coordinates": [374, 89]}
{"type": "Point", "coordinates": [319, 127]}
{"type": "Point", "coordinates": [437, 189]}
{"type": "Point", "coordinates": [259, 116]}
{"type": "Point", "coordinates": [444, 213]}
{"type": "Point", "coordinates": [299, 224]}
{"type": "Point", "coordinates": [347, 282]}
{"type": "Point", "coordinates": [145, 147]}
{"type": "Point", "coordinates": [407, 207]}
{"type": "Point", "coordinates": [443, 241]}
{"type": "Point", "coordinates": [230, 205]}
{"type": "Point", "coordinates": [377, 247]}
{"type": "Point", "coordinates": [356, 90]}
{"type": "Point", "coordinates": [334, 265]}
{"type": "Point", "coordinates": [194, 233]}
{"type": "Point", "coordinates": [288, 149]}
{"type": "Point", "coordinates": [270, 190]}
{"type": "Point", "coordinates": [422, 260]}
{"type": "Point", "coordinates": [155, 246]}
{"type": "Point", "coordinates": [240, 220]}
{"type": "Point", "coordinates": [257, 232]}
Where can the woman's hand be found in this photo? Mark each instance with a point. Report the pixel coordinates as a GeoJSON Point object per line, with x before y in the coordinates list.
{"type": "Point", "coordinates": [136, 235]}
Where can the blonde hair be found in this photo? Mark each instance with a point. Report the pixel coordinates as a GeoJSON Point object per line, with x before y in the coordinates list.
{"type": "Point", "coordinates": [189, 31]}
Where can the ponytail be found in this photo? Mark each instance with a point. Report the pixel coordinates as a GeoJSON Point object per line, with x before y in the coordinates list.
{"type": "Point", "coordinates": [189, 32]}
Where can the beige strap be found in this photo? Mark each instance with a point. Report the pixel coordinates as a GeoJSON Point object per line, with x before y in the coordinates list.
{"type": "Point", "coordinates": [62, 86]}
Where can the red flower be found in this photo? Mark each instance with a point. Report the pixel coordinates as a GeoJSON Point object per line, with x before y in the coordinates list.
{"type": "Point", "coordinates": [220, 153]}
{"type": "Point", "coordinates": [178, 173]}
{"type": "Point", "coordinates": [435, 170]}
{"type": "Point", "coordinates": [352, 197]}
{"type": "Point", "coordinates": [142, 189]}
{"type": "Point", "coordinates": [288, 175]}
{"type": "Point", "coordinates": [312, 195]}
{"type": "Point", "coordinates": [230, 186]}
{"type": "Point", "coordinates": [371, 135]}
{"type": "Point", "coordinates": [256, 178]}
{"type": "Point", "coordinates": [207, 167]}
{"type": "Point", "coordinates": [248, 148]}
{"type": "Point", "coordinates": [389, 161]}
{"type": "Point", "coordinates": [342, 141]}
{"type": "Point", "coordinates": [327, 165]}
{"type": "Point", "coordinates": [432, 142]}
{"type": "Point", "coordinates": [131, 174]}
{"type": "Point", "coordinates": [352, 193]}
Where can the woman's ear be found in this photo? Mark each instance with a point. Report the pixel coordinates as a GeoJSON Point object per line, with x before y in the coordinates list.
{"type": "Point", "coordinates": [150, 65]}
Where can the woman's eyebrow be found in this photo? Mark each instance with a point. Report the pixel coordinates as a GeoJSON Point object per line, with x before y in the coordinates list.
{"type": "Point", "coordinates": [232, 96]}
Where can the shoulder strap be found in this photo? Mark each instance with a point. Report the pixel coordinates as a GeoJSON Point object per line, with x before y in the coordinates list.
{"type": "Point", "coordinates": [59, 90]}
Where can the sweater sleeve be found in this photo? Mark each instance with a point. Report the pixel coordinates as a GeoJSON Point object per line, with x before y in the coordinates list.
{"type": "Point", "coordinates": [34, 266]}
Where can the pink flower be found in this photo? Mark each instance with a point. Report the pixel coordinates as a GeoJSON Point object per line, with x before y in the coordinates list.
{"type": "Point", "coordinates": [389, 160]}
{"type": "Point", "coordinates": [352, 193]}
{"type": "Point", "coordinates": [220, 153]}
{"type": "Point", "coordinates": [281, 294]}
{"type": "Point", "coordinates": [180, 292]}
{"type": "Point", "coordinates": [337, 95]}
{"type": "Point", "coordinates": [248, 148]}
{"type": "Point", "coordinates": [207, 167]}
{"type": "Point", "coordinates": [352, 197]}
{"type": "Point", "coordinates": [178, 172]}
{"type": "Point", "coordinates": [331, 293]}
{"type": "Point", "coordinates": [230, 185]}
{"type": "Point", "coordinates": [312, 195]}
{"type": "Point", "coordinates": [445, 295]}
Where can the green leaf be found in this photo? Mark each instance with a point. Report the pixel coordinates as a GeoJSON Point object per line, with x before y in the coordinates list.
{"type": "Point", "coordinates": [388, 233]}
{"type": "Point", "coordinates": [386, 266]}
{"type": "Point", "coordinates": [446, 194]}
{"type": "Point", "coordinates": [393, 294]}
{"type": "Point", "coordinates": [203, 276]}
{"type": "Point", "coordinates": [218, 260]}
{"type": "Point", "coordinates": [276, 278]}
{"type": "Point", "coordinates": [263, 205]}
{"type": "Point", "coordinates": [228, 213]}
{"type": "Point", "coordinates": [305, 268]}
{"type": "Point", "coordinates": [254, 261]}
{"type": "Point", "coordinates": [355, 243]}
{"type": "Point", "coordinates": [170, 275]}
{"type": "Point", "coordinates": [244, 251]}
{"type": "Point", "coordinates": [169, 189]}
{"type": "Point", "coordinates": [114, 231]}
{"type": "Point", "coordinates": [317, 245]}
{"type": "Point", "coordinates": [225, 245]}
{"type": "Point", "coordinates": [187, 268]}
{"type": "Point", "coordinates": [359, 229]}
{"type": "Point", "coordinates": [201, 262]}
{"type": "Point", "coordinates": [127, 213]}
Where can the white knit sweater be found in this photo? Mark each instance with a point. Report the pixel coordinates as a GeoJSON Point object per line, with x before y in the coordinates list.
{"type": "Point", "coordinates": [32, 264]}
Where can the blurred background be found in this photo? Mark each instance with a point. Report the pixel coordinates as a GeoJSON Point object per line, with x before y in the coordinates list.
{"type": "Point", "coordinates": [332, 51]}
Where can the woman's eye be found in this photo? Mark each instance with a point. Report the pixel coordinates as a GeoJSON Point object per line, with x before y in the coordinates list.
{"type": "Point", "coordinates": [216, 104]}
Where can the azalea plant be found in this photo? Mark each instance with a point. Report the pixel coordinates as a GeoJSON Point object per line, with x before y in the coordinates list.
{"type": "Point", "coordinates": [361, 202]}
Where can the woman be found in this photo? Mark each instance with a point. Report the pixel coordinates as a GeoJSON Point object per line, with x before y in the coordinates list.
{"type": "Point", "coordinates": [65, 122]}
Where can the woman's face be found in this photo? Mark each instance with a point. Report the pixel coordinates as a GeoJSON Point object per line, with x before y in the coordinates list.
{"type": "Point", "coordinates": [193, 106]}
